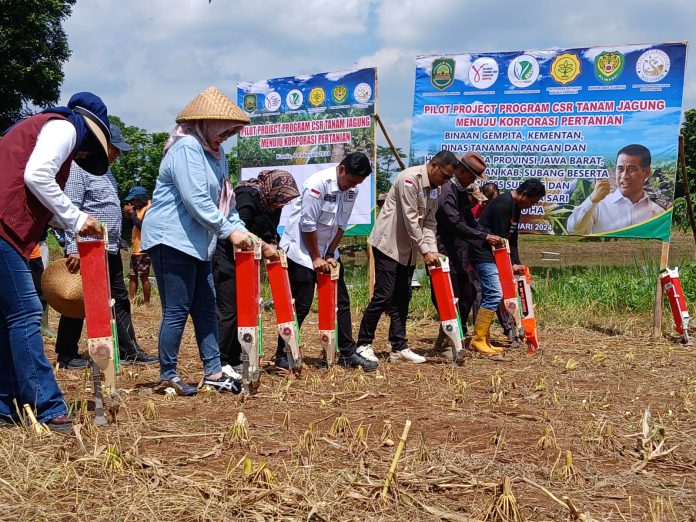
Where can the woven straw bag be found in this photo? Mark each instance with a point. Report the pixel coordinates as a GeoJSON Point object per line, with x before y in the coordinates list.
{"type": "Point", "coordinates": [211, 104]}
{"type": "Point", "coordinates": [63, 290]}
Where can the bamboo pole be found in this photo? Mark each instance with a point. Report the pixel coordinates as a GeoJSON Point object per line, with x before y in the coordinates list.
{"type": "Point", "coordinates": [659, 301]}
{"type": "Point", "coordinates": [395, 460]}
{"type": "Point", "coordinates": [685, 180]}
{"type": "Point", "coordinates": [389, 142]}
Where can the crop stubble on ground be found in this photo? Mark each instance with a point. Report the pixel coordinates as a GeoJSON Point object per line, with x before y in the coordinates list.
{"type": "Point", "coordinates": [472, 425]}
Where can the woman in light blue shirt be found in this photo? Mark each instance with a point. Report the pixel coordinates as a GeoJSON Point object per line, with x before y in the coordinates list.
{"type": "Point", "coordinates": [192, 206]}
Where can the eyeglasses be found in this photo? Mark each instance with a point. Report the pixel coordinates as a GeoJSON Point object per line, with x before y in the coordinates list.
{"type": "Point", "coordinates": [448, 176]}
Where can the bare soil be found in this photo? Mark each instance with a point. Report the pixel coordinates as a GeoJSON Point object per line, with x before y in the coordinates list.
{"type": "Point", "coordinates": [587, 393]}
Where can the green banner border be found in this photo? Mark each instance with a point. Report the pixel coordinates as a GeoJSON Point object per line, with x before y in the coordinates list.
{"type": "Point", "coordinates": [659, 227]}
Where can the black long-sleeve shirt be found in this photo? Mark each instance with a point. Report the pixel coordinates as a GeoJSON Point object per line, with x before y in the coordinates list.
{"type": "Point", "coordinates": [501, 217]}
{"type": "Point", "coordinates": [456, 226]}
{"type": "Point", "coordinates": [256, 221]}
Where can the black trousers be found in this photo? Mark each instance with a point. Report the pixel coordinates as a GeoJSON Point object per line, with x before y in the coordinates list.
{"type": "Point", "coordinates": [303, 281]}
{"type": "Point", "coordinates": [464, 290]}
{"type": "Point", "coordinates": [70, 330]}
{"type": "Point", "coordinates": [37, 269]}
{"type": "Point", "coordinates": [392, 294]}
{"type": "Point", "coordinates": [225, 278]}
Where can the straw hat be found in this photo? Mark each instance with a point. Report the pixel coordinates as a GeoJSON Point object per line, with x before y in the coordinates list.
{"type": "Point", "coordinates": [211, 104]}
{"type": "Point", "coordinates": [63, 290]}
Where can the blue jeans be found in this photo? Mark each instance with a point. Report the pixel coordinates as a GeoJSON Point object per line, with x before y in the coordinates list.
{"type": "Point", "coordinates": [25, 374]}
{"type": "Point", "coordinates": [491, 292]}
{"type": "Point", "coordinates": [185, 287]}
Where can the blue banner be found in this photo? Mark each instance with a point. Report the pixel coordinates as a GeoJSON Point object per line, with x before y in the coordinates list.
{"type": "Point", "coordinates": [303, 124]}
{"type": "Point", "coordinates": [599, 126]}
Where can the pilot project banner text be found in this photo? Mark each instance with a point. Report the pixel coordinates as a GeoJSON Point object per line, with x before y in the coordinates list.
{"type": "Point", "coordinates": [303, 124]}
{"type": "Point", "coordinates": [599, 126]}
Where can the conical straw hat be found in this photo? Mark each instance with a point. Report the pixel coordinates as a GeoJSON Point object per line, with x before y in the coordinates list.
{"type": "Point", "coordinates": [211, 104]}
{"type": "Point", "coordinates": [63, 290]}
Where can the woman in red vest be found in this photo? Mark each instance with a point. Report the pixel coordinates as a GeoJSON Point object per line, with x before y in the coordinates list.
{"type": "Point", "coordinates": [35, 158]}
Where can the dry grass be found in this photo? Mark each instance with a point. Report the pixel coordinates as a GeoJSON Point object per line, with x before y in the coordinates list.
{"type": "Point", "coordinates": [319, 447]}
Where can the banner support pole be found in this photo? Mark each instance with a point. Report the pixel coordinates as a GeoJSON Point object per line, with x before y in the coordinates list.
{"type": "Point", "coordinates": [659, 301]}
{"type": "Point", "coordinates": [685, 180]}
{"type": "Point", "coordinates": [389, 142]}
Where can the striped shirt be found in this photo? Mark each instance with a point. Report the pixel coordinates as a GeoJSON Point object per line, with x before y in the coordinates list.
{"type": "Point", "coordinates": [98, 197]}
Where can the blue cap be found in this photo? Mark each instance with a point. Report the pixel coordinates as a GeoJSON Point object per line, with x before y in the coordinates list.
{"type": "Point", "coordinates": [117, 139]}
{"type": "Point", "coordinates": [136, 192]}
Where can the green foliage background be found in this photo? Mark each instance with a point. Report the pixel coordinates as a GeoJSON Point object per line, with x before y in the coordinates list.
{"type": "Point", "coordinates": [33, 48]}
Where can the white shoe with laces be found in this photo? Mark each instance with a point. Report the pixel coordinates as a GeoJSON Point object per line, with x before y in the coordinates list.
{"type": "Point", "coordinates": [366, 352]}
{"type": "Point", "coordinates": [406, 355]}
{"type": "Point", "coordinates": [231, 372]}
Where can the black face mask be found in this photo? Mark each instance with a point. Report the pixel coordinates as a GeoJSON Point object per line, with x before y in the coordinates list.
{"type": "Point", "coordinates": [96, 162]}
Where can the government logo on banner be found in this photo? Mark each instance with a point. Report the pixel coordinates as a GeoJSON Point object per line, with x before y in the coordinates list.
{"type": "Point", "coordinates": [339, 94]}
{"type": "Point", "coordinates": [294, 99]}
{"type": "Point", "coordinates": [565, 68]}
{"type": "Point", "coordinates": [317, 96]}
{"type": "Point", "coordinates": [652, 66]}
{"type": "Point", "coordinates": [250, 102]}
{"type": "Point", "coordinates": [608, 66]}
{"type": "Point", "coordinates": [442, 73]}
{"type": "Point", "coordinates": [523, 71]}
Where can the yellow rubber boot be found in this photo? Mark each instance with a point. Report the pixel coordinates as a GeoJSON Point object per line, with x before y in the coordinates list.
{"type": "Point", "coordinates": [479, 342]}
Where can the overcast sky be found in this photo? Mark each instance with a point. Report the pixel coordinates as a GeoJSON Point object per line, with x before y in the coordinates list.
{"type": "Point", "coordinates": [148, 58]}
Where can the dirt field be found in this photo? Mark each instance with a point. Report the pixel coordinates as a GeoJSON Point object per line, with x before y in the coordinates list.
{"type": "Point", "coordinates": [471, 426]}
{"type": "Point", "coordinates": [319, 447]}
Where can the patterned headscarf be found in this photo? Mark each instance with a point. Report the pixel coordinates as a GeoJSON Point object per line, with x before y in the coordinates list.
{"type": "Point", "coordinates": [276, 187]}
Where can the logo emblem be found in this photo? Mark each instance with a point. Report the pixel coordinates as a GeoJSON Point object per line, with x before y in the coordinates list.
{"type": "Point", "coordinates": [523, 71]}
{"type": "Point", "coordinates": [339, 93]}
{"type": "Point", "coordinates": [652, 66]}
{"type": "Point", "coordinates": [362, 93]}
{"type": "Point", "coordinates": [442, 73]}
{"type": "Point", "coordinates": [608, 66]}
{"type": "Point", "coordinates": [294, 99]}
{"type": "Point", "coordinates": [250, 103]}
{"type": "Point", "coordinates": [483, 73]}
{"type": "Point", "coordinates": [317, 96]}
{"type": "Point", "coordinates": [272, 101]}
{"type": "Point", "coordinates": [565, 68]}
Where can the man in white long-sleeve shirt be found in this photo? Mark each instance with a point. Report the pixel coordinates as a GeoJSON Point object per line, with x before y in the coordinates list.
{"type": "Point", "coordinates": [35, 158]}
{"type": "Point", "coordinates": [627, 205]}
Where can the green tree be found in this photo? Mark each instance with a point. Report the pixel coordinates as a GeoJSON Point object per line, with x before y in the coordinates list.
{"type": "Point", "coordinates": [33, 47]}
{"type": "Point", "coordinates": [386, 167]}
{"type": "Point", "coordinates": [233, 164]}
{"type": "Point", "coordinates": [680, 217]}
{"type": "Point", "coordinates": [689, 132]}
{"type": "Point", "coordinates": [140, 166]}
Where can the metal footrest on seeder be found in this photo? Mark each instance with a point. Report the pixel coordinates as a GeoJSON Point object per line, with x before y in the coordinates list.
{"type": "Point", "coordinates": [284, 306]}
{"type": "Point", "coordinates": [517, 298]}
{"type": "Point", "coordinates": [450, 319]}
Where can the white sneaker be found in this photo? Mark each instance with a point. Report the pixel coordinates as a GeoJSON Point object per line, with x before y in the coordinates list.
{"type": "Point", "coordinates": [406, 355]}
{"type": "Point", "coordinates": [366, 352]}
{"type": "Point", "coordinates": [230, 372]}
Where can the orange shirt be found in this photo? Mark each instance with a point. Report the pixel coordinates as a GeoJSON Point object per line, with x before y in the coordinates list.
{"type": "Point", "coordinates": [135, 249]}
{"type": "Point", "coordinates": [36, 252]}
